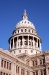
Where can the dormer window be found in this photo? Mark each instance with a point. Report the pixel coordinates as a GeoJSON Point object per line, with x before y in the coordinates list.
{"type": "Point", "coordinates": [18, 31]}
{"type": "Point", "coordinates": [29, 30]}
{"type": "Point", "coordinates": [25, 21]}
{"type": "Point", "coordinates": [28, 22]}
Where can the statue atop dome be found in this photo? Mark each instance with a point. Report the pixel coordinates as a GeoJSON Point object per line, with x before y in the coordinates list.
{"type": "Point", "coordinates": [25, 16]}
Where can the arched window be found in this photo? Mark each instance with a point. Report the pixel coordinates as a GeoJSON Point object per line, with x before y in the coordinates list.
{"type": "Point", "coordinates": [25, 30]}
{"type": "Point", "coordinates": [21, 30]}
{"type": "Point", "coordinates": [18, 31]}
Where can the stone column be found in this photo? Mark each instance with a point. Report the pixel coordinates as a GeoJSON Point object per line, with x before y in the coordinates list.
{"type": "Point", "coordinates": [13, 69]}
{"type": "Point", "coordinates": [19, 70]}
{"type": "Point", "coordinates": [37, 43]}
{"type": "Point", "coordinates": [31, 73]}
{"type": "Point", "coordinates": [39, 72]}
{"type": "Point", "coordinates": [47, 71]}
{"type": "Point", "coordinates": [35, 72]}
{"type": "Point", "coordinates": [38, 61]}
{"type": "Point", "coordinates": [40, 47]}
{"type": "Point", "coordinates": [30, 63]}
{"type": "Point", "coordinates": [10, 44]}
{"type": "Point", "coordinates": [17, 41]}
{"type": "Point", "coordinates": [13, 42]}
{"type": "Point", "coordinates": [42, 62]}
{"type": "Point", "coordinates": [25, 72]}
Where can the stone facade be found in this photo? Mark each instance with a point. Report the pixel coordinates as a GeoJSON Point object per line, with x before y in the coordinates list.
{"type": "Point", "coordinates": [25, 56]}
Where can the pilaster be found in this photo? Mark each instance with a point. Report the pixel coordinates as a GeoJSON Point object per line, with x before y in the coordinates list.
{"type": "Point", "coordinates": [13, 69]}
{"type": "Point", "coordinates": [19, 70]}
{"type": "Point", "coordinates": [39, 72]}
{"type": "Point", "coordinates": [47, 71]}
{"type": "Point", "coordinates": [30, 63]}
{"type": "Point", "coordinates": [10, 44]}
{"type": "Point", "coordinates": [40, 47]}
{"type": "Point", "coordinates": [31, 73]}
{"type": "Point", "coordinates": [25, 72]}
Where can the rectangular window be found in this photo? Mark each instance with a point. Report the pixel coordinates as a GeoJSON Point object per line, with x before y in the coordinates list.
{"type": "Point", "coordinates": [9, 66]}
{"type": "Point", "coordinates": [40, 62]}
{"type": "Point", "coordinates": [0, 73]}
{"type": "Point", "coordinates": [44, 60]}
{"type": "Point", "coordinates": [18, 69]}
{"type": "Point", "coordinates": [28, 73]}
{"type": "Point", "coordinates": [45, 71]}
{"type": "Point", "coordinates": [3, 73]}
{"type": "Point", "coordinates": [36, 72]}
{"type": "Point", "coordinates": [4, 64]}
{"type": "Point", "coordinates": [41, 72]}
{"type": "Point", "coordinates": [1, 63]}
{"type": "Point", "coordinates": [33, 63]}
{"type": "Point", "coordinates": [6, 73]}
{"type": "Point", "coordinates": [33, 73]}
{"type": "Point", "coordinates": [22, 72]}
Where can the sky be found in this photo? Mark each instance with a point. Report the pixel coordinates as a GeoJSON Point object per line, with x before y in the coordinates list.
{"type": "Point", "coordinates": [11, 13]}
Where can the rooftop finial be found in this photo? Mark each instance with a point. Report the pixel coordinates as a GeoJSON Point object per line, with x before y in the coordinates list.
{"type": "Point", "coordinates": [25, 11]}
{"type": "Point", "coordinates": [25, 16]}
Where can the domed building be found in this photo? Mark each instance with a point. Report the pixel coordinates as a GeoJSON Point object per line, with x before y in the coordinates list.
{"type": "Point", "coordinates": [25, 38]}
{"type": "Point", "coordinates": [25, 56]}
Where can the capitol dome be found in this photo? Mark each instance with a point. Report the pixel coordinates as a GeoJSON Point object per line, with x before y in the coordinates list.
{"type": "Point", "coordinates": [25, 22]}
{"type": "Point", "coordinates": [25, 38]}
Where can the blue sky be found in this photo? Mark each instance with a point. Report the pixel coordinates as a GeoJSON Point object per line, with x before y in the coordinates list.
{"type": "Point", "coordinates": [11, 13]}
